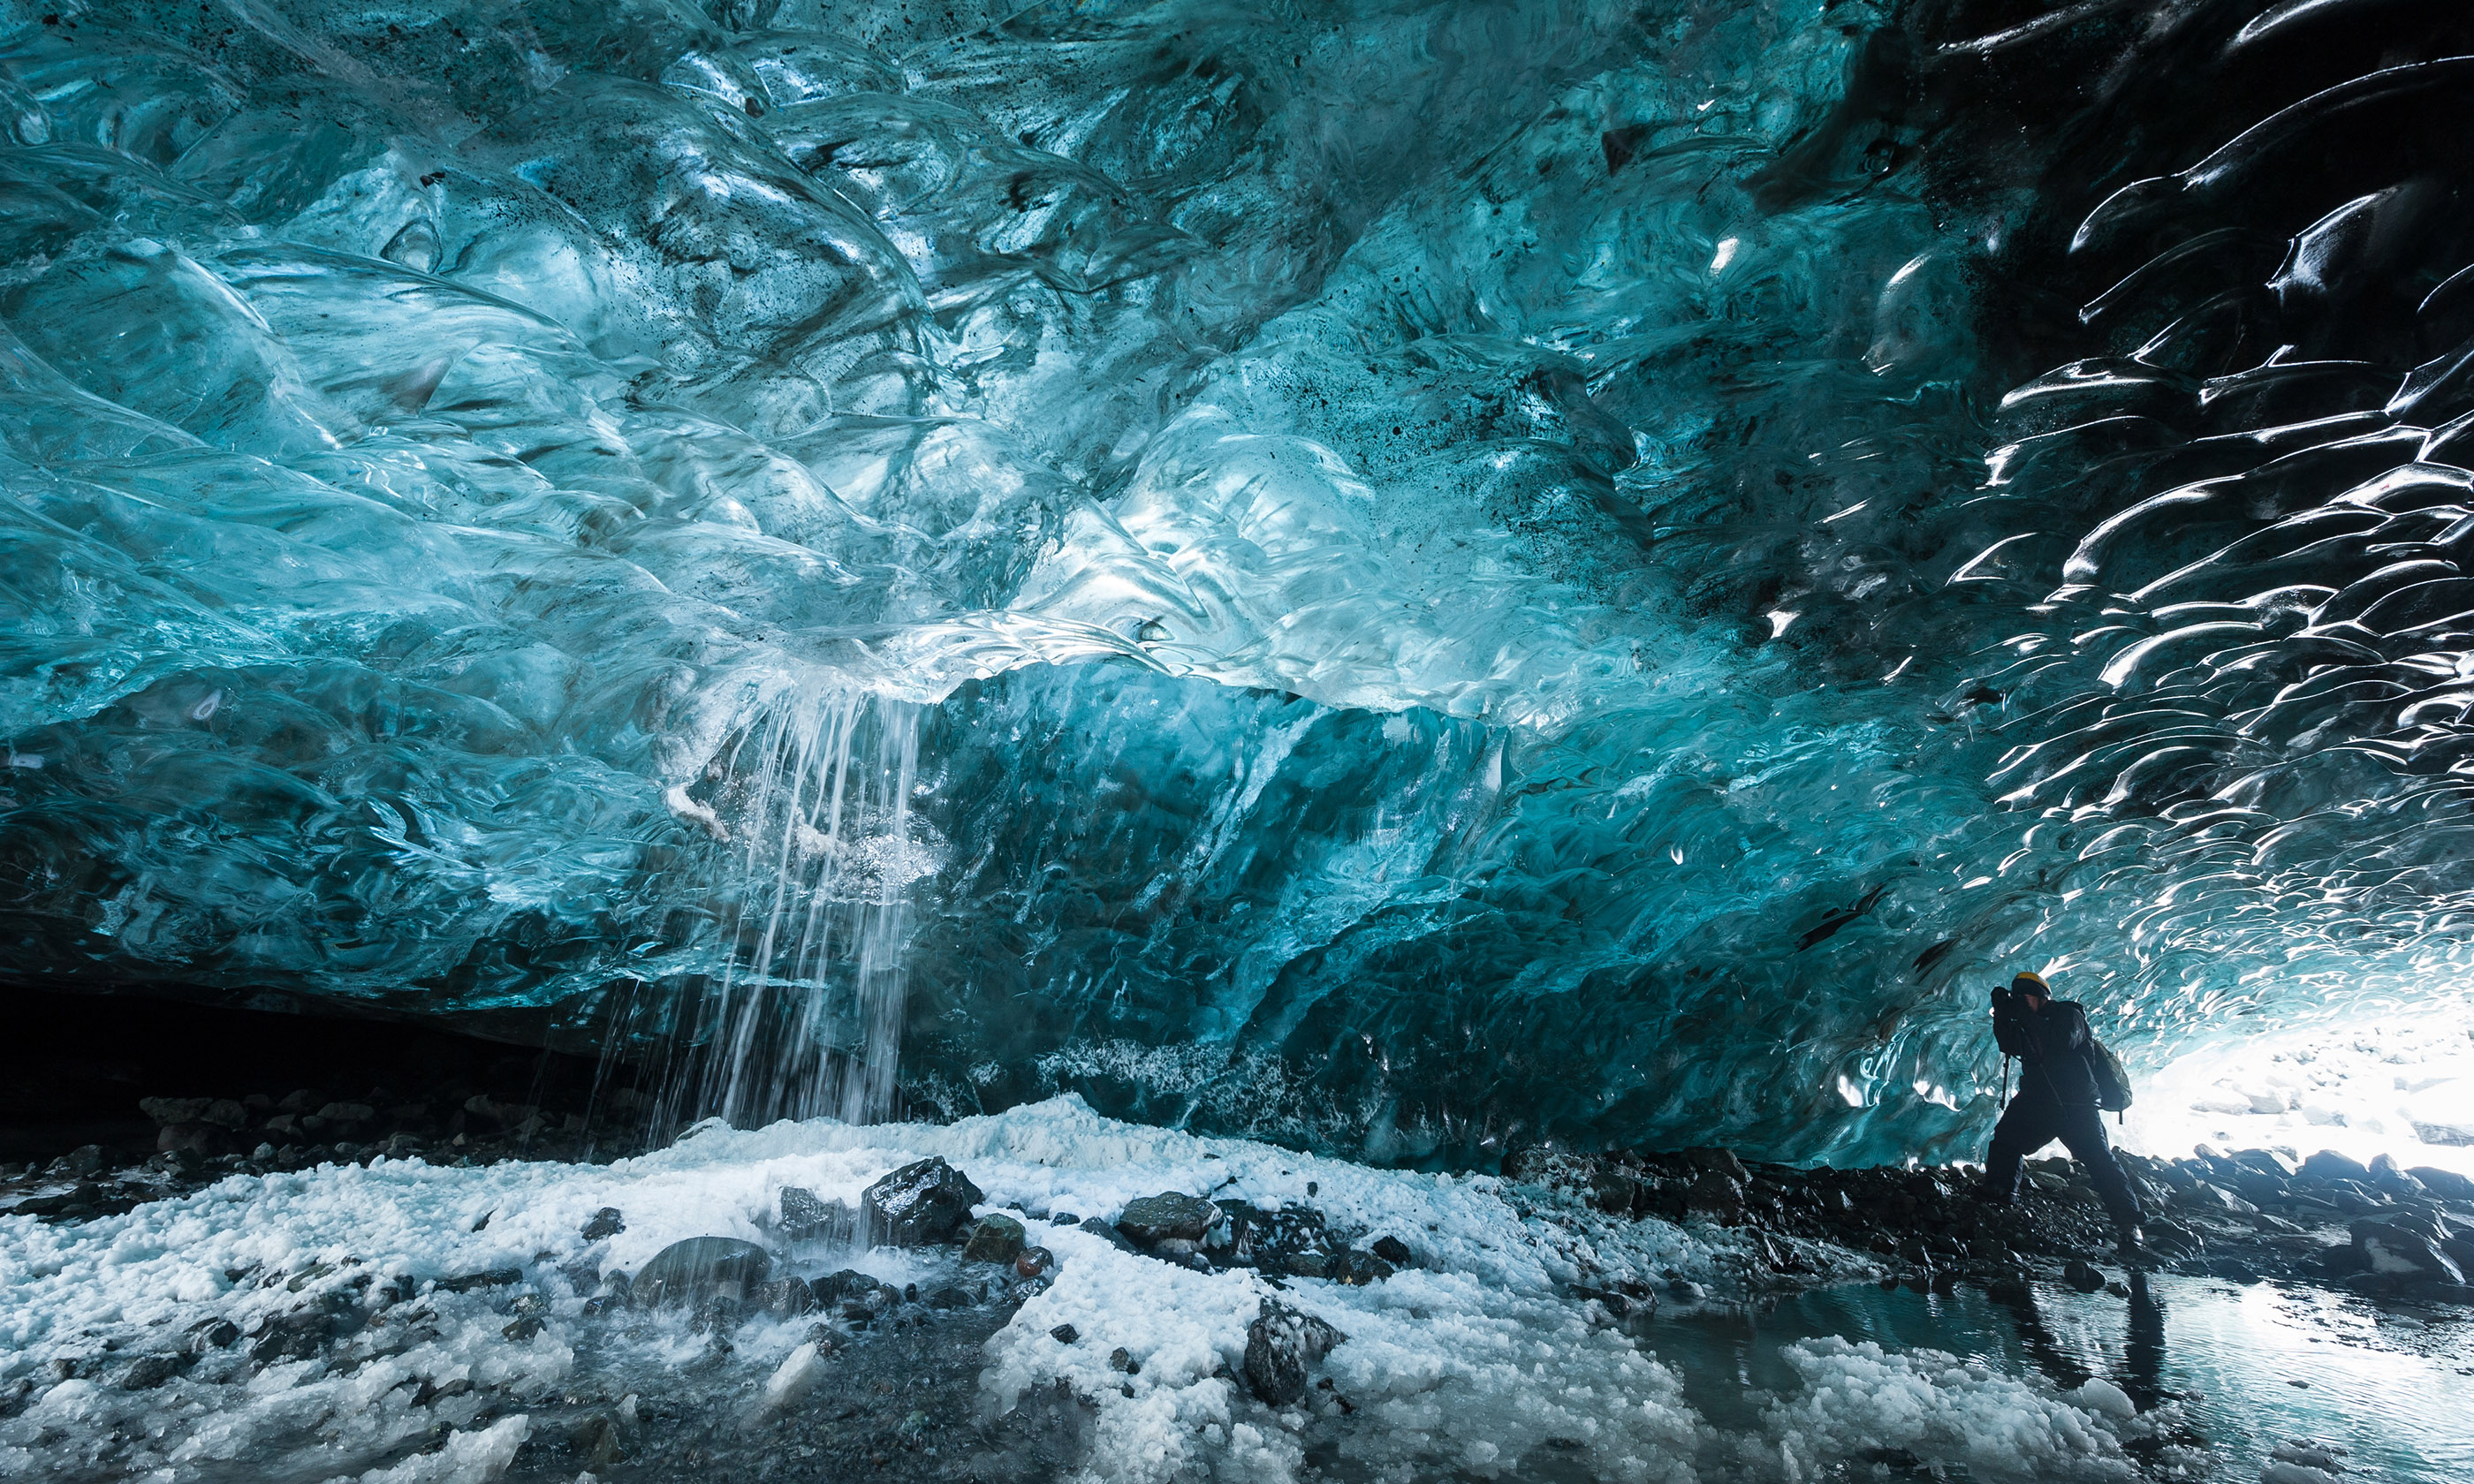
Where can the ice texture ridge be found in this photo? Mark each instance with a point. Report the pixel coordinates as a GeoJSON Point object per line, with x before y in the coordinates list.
{"type": "Point", "coordinates": [1399, 577]}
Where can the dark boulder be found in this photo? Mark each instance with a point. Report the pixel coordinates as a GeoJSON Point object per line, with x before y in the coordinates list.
{"type": "Point", "coordinates": [198, 1139]}
{"type": "Point", "coordinates": [806, 1217]}
{"type": "Point", "coordinates": [495, 1278]}
{"type": "Point", "coordinates": [784, 1298]}
{"type": "Point", "coordinates": [997, 1238]}
{"type": "Point", "coordinates": [1714, 1196]}
{"type": "Point", "coordinates": [1391, 1250]}
{"type": "Point", "coordinates": [605, 1222]}
{"type": "Point", "coordinates": [1719, 1162]}
{"type": "Point", "coordinates": [1169, 1215]}
{"type": "Point", "coordinates": [833, 1289]}
{"type": "Point", "coordinates": [701, 1268]}
{"type": "Point", "coordinates": [2391, 1179]}
{"type": "Point", "coordinates": [919, 1204]}
{"type": "Point", "coordinates": [148, 1372]}
{"type": "Point", "coordinates": [1108, 1235]}
{"type": "Point", "coordinates": [2083, 1276]}
{"type": "Point", "coordinates": [2330, 1165]}
{"type": "Point", "coordinates": [1282, 1345]}
{"type": "Point", "coordinates": [2447, 1184]}
{"type": "Point", "coordinates": [2399, 1248]}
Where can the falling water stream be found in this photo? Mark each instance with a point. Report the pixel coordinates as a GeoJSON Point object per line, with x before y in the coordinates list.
{"type": "Point", "coordinates": [806, 1019]}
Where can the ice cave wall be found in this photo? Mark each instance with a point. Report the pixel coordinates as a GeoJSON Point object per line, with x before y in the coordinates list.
{"type": "Point", "coordinates": [1394, 576]}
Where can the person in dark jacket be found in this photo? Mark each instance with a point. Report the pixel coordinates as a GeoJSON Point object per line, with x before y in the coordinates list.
{"type": "Point", "coordinates": [2056, 1099]}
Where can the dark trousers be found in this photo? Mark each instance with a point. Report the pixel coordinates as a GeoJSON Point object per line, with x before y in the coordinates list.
{"type": "Point", "coordinates": [2026, 1126]}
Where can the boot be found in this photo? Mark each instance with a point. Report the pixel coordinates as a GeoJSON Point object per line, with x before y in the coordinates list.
{"type": "Point", "coordinates": [2128, 1245]}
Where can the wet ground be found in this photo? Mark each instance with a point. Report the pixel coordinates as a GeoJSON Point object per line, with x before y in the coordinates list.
{"type": "Point", "coordinates": [899, 1400]}
{"type": "Point", "coordinates": [2384, 1390]}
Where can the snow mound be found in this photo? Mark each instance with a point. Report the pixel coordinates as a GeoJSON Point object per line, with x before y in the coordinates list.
{"type": "Point", "coordinates": [1473, 1360]}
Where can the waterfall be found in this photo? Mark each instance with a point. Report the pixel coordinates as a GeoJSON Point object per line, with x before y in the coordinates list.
{"type": "Point", "coordinates": [806, 1019]}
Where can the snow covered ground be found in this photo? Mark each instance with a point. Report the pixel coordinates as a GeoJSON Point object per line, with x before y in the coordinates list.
{"type": "Point", "coordinates": [1474, 1360]}
{"type": "Point", "coordinates": [2400, 1085]}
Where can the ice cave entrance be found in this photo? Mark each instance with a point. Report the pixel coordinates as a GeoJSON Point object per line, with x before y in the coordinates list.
{"type": "Point", "coordinates": [2399, 1084]}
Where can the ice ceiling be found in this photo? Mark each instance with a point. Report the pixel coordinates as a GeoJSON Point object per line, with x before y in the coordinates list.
{"type": "Point", "coordinates": [1390, 575]}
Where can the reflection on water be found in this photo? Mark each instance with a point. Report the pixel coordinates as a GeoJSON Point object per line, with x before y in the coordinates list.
{"type": "Point", "coordinates": [2254, 1366]}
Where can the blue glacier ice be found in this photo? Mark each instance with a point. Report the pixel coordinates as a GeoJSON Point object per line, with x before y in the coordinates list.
{"type": "Point", "coordinates": [1399, 577]}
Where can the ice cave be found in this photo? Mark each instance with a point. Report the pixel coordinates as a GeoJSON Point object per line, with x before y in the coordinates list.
{"type": "Point", "coordinates": [1159, 741]}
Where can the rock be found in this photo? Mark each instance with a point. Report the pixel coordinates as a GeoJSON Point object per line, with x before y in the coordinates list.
{"type": "Point", "coordinates": [2232, 1270]}
{"type": "Point", "coordinates": [2388, 1177]}
{"type": "Point", "coordinates": [997, 1238]}
{"type": "Point", "coordinates": [523, 1330]}
{"type": "Point", "coordinates": [192, 1137]}
{"type": "Point", "coordinates": [1716, 1197]}
{"type": "Point", "coordinates": [1391, 1250]}
{"type": "Point", "coordinates": [1157, 1219]}
{"type": "Point", "coordinates": [82, 1160]}
{"type": "Point", "coordinates": [495, 1278]}
{"type": "Point", "coordinates": [1108, 1235]}
{"type": "Point", "coordinates": [2167, 1238]}
{"type": "Point", "coordinates": [596, 1441]}
{"type": "Point", "coordinates": [1281, 1346]}
{"type": "Point", "coordinates": [174, 1110]}
{"type": "Point", "coordinates": [2082, 1276]}
{"type": "Point", "coordinates": [832, 1290]}
{"type": "Point", "coordinates": [806, 1217]}
{"type": "Point", "coordinates": [2328, 1164]}
{"type": "Point", "coordinates": [784, 1298]}
{"type": "Point", "coordinates": [1065, 1334]}
{"type": "Point", "coordinates": [2447, 1184]}
{"type": "Point", "coordinates": [1612, 1190]}
{"type": "Point", "coordinates": [148, 1372]}
{"type": "Point", "coordinates": [1360, 1268]}
{"type": "Point", "coordinates": [1122, 1359]}
{"type": "Point", "coordinates": [702, 1268]}
{"type": "Point", "coordinates": [606, 1222]}
{"type": "Point", "coordinates": [2266, 1161]}
{"type": "Point", "coordinates": [2397, 1250]}
{"type": "Point", "coordinates": [1034, 1262]}
{"type": "Point", "coordinates": [348, 1112]}
{"type": "Point", "coordinates": [2208, 1199]}
{"type": "Point", "coordinates": [919, 1204]}
{"type": "Point", "coordinates": [214, 1334]}
{"type": "Point", "coordinates": [1721, 1162]}
{"type": "Point", "coordinates": [2459, 1249]}
{"type": "Point", "coordinates": [1686, 1289]}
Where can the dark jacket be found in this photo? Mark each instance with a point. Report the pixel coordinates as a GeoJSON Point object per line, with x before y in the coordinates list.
{"type": "Point", "coordinates": [2054, 1044]}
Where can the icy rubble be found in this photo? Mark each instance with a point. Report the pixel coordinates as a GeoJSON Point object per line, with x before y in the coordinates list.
{"type": "Point", "coordinates": [1471, 1359]}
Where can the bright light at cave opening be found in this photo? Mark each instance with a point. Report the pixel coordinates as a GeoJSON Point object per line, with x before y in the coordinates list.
{"type": "Point", "coordinates": [2400, 1085]}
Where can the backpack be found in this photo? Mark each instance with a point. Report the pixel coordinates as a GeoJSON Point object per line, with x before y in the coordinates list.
{"type": "Point", "coordinates": [2112, 1077]}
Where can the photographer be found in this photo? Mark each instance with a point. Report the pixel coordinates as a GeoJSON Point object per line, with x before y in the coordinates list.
{"type": "Point", "coordinates": [2056, 1099]}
